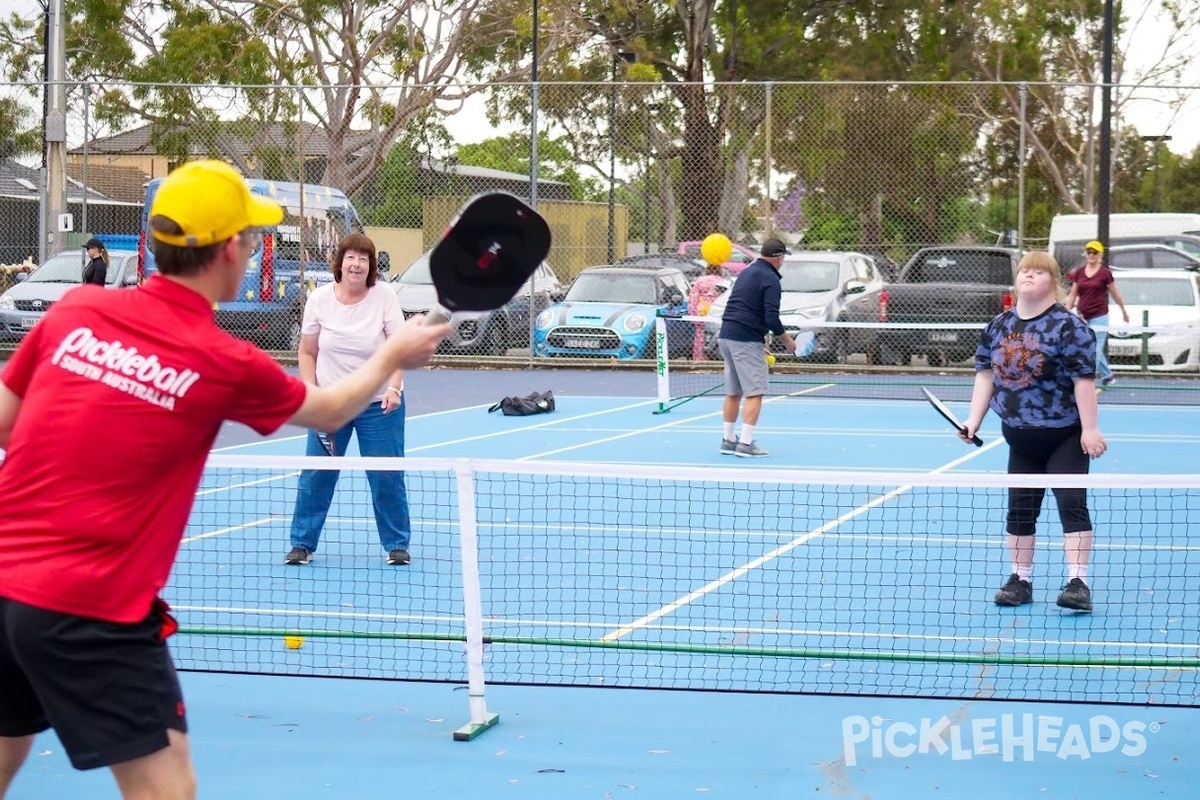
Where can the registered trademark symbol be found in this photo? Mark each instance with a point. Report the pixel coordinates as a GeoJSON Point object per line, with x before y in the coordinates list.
{"type": "Point", "coordinates": [1154, 727]}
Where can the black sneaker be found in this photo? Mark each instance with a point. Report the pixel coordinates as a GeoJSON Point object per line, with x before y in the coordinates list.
{"type": "Point", "coordinates": [398, 558]}
{"type": "Point", "coordinates": [1076, 596]}
{"type": "Point", "coordinates": [298, 555]}
{"type": "Point", "coordinates": [1015, 592]}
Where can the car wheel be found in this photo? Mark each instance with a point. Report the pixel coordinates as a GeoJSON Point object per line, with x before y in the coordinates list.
{"type": "Point", "coordinates": [293, 336]}
{"type": "Point", "coordinates": [938, 360]}
{"type": "Point", "coordinates": [871, 351]}
{"type": "Point", "coordinates": [497, 342]}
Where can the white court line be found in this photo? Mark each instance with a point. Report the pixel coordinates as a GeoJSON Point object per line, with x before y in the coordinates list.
{"type": "Point", "coordinates": [233, 529]}
{"type": "Point", "coordinates": [736, 573]}
{"type": "Point", "coordinates": [664, 426]}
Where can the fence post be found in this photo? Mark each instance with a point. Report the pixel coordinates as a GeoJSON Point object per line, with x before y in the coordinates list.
{"type": "Point", "coordinates": [1024, 93]}
{"type": "Point", "coordinates": [1145, 338]}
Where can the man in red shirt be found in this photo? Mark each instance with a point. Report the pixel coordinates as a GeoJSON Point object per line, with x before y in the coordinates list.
{"type": "Point", "coordinates": [108, 411]}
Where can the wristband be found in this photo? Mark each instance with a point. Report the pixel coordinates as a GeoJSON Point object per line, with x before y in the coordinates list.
{"type": "Point", "coordinates": [393, 389]}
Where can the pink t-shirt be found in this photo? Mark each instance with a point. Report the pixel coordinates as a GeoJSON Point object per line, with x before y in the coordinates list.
{"type": "Point", "coordinates": [347, 335]}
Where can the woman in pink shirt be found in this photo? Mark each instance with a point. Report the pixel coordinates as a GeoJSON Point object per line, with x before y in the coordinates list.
{"type": "Point", "coordinates": [344, 323]}
{"type": "Point", "coordinates": [1091, 286]}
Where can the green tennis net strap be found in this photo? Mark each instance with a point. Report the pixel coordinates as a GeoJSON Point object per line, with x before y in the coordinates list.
{"type": "Point", "coordinates": [893, 360]}
{"type": "Point", "coordinates": [744, 580]}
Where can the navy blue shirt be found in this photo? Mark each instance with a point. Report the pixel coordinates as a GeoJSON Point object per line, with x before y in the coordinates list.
{"type": "Point", "coordinates": [1034, 364]}
{"type": "Point", "coordinates": [752, 309]}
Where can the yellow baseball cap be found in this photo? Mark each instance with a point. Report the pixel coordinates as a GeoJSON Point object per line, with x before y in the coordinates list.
{"type": "Point", "coordinates": [210, 202]}
{"type": "Point", "coordinates": [1099, 248]}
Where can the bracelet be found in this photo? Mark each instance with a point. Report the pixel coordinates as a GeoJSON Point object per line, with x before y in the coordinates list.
{"type": "Point", "coordinates": [394, 389]}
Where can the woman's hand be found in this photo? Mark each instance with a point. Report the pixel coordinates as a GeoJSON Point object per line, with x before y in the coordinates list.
{"type": "Point", "coordinates": [391, 401]}
{"type": "Point", "coordinates": [1093, 442]}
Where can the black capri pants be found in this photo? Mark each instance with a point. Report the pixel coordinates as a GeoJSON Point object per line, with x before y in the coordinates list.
{"type": "Point", "coordinates": [1046, 451]}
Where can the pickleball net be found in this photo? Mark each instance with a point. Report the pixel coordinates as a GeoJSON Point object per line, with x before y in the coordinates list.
{"type": "Point", "coordinates": [745, 580]}
{"type": "Point", "coordinates": [893, 360]}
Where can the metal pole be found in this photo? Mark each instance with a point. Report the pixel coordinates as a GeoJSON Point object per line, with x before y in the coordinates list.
{"type": "Point", "coordinates": [768, 225]}
{"type": "Point", "coordinates": [533, 116]}
{"type": "Point", "coordinates": [612, 161]}
{"type": "Point", "coordinates": [87, 99]}
{"type": "Point", "coordinates": [56, 128]}
{"type": "Point", "coordinates": [1105, 172]}
{"type": "Point", "coordinates": [1024, 91]}
{"type": "Point", "coordinates": [646, 182]}
{"type": "Point", "coordinates": [533, 163]}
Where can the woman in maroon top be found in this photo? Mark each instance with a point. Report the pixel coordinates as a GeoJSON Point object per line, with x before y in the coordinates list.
{"type": "Point", "coordinates": [1091, 286]}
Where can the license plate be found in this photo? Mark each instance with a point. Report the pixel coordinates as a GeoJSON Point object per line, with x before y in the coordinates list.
{"type": "Point", "coordinates": [1123, 349]}
{"type": "Point", "coordinates": [583, 344]}
{"type": "Point", "coordinates": [28, 322]}
{"type": "Point", "coordinates": [943, 336]}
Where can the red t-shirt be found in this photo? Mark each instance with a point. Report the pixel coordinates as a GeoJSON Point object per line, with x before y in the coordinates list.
{"type": "Point", "coordinates": [123, 393]}
{"type": "Point", "coordinates": [1091, 293]}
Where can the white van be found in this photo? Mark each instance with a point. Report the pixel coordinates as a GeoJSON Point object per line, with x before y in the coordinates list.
{"type": "Point", "coordinates": [1070, 232]}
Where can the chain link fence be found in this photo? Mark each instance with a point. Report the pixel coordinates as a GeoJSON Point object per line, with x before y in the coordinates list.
{"type": "Point", "coordinates": [627, 174]}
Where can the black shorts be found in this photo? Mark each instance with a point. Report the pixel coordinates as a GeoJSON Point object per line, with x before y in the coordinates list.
{"type": "Point", "coordinates": [109, 690]}
{"type": "Point", "coordinates": [1046, 451]}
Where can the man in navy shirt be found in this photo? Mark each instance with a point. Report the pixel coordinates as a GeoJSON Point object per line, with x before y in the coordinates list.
{"type": "Point", "coordinates": [751, 312]}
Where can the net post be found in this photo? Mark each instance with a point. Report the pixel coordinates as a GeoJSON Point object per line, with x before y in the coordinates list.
{"type": "Point", "coordinates": [661, 367]}
{"type": "Point", "coordinates": [468, 542]}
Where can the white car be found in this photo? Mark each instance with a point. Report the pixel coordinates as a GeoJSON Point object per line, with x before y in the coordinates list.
{"type": "Point", "coordinates": [1160, 299]}
{"type": "Point", "coordinates": [815, 287]}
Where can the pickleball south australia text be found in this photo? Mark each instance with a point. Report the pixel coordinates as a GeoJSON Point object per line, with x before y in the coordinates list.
{"type": "Point", "coordinates": [123, 368]}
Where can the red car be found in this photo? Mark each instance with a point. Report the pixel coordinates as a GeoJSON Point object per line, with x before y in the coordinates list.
{"type": "Point", "coordinates": [737, 262]}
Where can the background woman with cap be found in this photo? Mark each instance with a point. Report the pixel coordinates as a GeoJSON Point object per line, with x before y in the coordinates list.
{"type": "Point", "coordinates": [96, 270]}
{"type": "Point", "coordinates": [1091, 286]}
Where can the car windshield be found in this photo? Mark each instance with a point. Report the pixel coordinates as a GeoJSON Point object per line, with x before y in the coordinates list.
{"type": "Point", "coordinates": [67, 268]}
{"type": "Point", "coordinates": [417, 273]}
{"type": "Point", "coordinates": [1158, 291]}
{"type": "Point", "coordinates": [950, 266]}
{"type": "Point", "coordinates": [613, 287]}
{"type": "Point", "coordinates": [809, 276]}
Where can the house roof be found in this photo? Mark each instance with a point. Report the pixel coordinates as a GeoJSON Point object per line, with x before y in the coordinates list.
{"type": "Point", "coordinates": [22, 182]}
{"type": "Point", "coordinates": [466, 170]}
{"type": "Point", "coordinates": [127, 184]}
{"type": "Point", "coordinates": [232, 140]}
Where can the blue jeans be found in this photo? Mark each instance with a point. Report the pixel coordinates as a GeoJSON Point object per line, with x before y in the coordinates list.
{"type": "Point", "coordinates": [379, 434]}
{"type": "Point", "coordinates": [1103, 370]}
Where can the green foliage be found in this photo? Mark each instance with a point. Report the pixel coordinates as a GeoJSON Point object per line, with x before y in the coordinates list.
{"type": "Point", "coordinates": [556, 161]}
{"type": "Point", "coordinates": [17, 136]}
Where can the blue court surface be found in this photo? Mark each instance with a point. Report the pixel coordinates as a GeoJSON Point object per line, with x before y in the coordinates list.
{"type": "Point", "coordinates": [604, 559]}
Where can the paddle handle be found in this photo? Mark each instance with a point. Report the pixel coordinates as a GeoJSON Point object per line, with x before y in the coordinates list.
{"type": "Point", "coordinates": [437, 315]}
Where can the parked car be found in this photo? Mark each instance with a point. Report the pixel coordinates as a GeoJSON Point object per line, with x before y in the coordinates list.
{"type": "Point", "coordinates": [480, 332]}
{"type": "Point", "coordinates": [1150, 256]}
{"type": "Point", "coordinates": [816, 285]}
{"type": "Point", "coordinates": [609, 312]}
{"type": "Point", "coordinates": [1168, 299]}
{"type": "Point", "coordinates": [690, 269]}
{"type": "Point", "coordinates": [26, 302]}
{"type": "Point", "coordinates": [738, 261]}
{"type": "Point", "coordinates": [947, 284]}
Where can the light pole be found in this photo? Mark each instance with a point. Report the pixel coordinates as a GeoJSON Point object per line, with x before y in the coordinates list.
{"type": "Point", "coordinates": [617, 58]}
{"type": "Point", "coordinates": [1158, 142]}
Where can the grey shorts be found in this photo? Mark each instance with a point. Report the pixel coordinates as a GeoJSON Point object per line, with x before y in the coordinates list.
{"type": "Point", "coordinates": [745, 367]}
